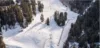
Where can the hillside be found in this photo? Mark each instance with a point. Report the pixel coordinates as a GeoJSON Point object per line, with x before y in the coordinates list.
{"type": "Point", "coordinates": [49, 23]}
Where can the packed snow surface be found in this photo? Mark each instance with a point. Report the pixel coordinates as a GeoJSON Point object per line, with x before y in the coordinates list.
{"type": "Point", "coordinates": [38, 34]}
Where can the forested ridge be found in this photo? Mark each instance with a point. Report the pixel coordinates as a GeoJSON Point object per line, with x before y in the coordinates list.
{"type": "Point", "coordinates": [85, 31]}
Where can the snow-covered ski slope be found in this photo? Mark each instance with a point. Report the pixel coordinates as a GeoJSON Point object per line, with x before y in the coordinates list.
{"type": "Point", "coordinates": [38, 34]}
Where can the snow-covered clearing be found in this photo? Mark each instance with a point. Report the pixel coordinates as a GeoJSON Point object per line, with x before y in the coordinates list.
{"type": "Point", "coordinates": [38, 34]}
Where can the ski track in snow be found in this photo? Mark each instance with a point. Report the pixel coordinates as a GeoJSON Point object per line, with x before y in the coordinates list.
{"type": "Point", "coordinates": [38, 34]}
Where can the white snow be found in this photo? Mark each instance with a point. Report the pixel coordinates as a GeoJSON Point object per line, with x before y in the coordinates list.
{"type": "Point", "coordinates": [12, 32]}
{"type": "Point", "coordinates": [38, 34]}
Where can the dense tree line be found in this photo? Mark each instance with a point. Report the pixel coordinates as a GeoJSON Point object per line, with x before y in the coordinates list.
{"type": "Point", "coordinates": [60, 18]}
{"type": "Point", "coordinates": [27, 10]}
{"type": "Point", "coordinates": [7, 17]}
{"type": "Point", "coordinates": [11, 13]}
{"type": "Point", "coordinates": [85, 30]}
{"type": "Point", "coordinates": [17, 13]}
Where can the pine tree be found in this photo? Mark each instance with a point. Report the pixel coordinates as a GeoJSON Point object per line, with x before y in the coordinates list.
{"type": "Point", "coordinates": [65, 15]}
{"type": "Point", "coordinates": [29, 13]}
{"type": "Point", "coordinates": [33, 6]}
{"type": "Point", "coordinates": [40, 6]}
{"type": "Point", "coordinates": [11, 14]}
{"type": "Point", "coordinates": [56, 14]}
{"type": "Point", "coordinates": [61, 19]}
{"type": "Point", "coordinates": [42, 18]}
{"type": "Point", "coordinates": [47, 21]}
{"type": "Point", "coordinates": [61, 16]}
